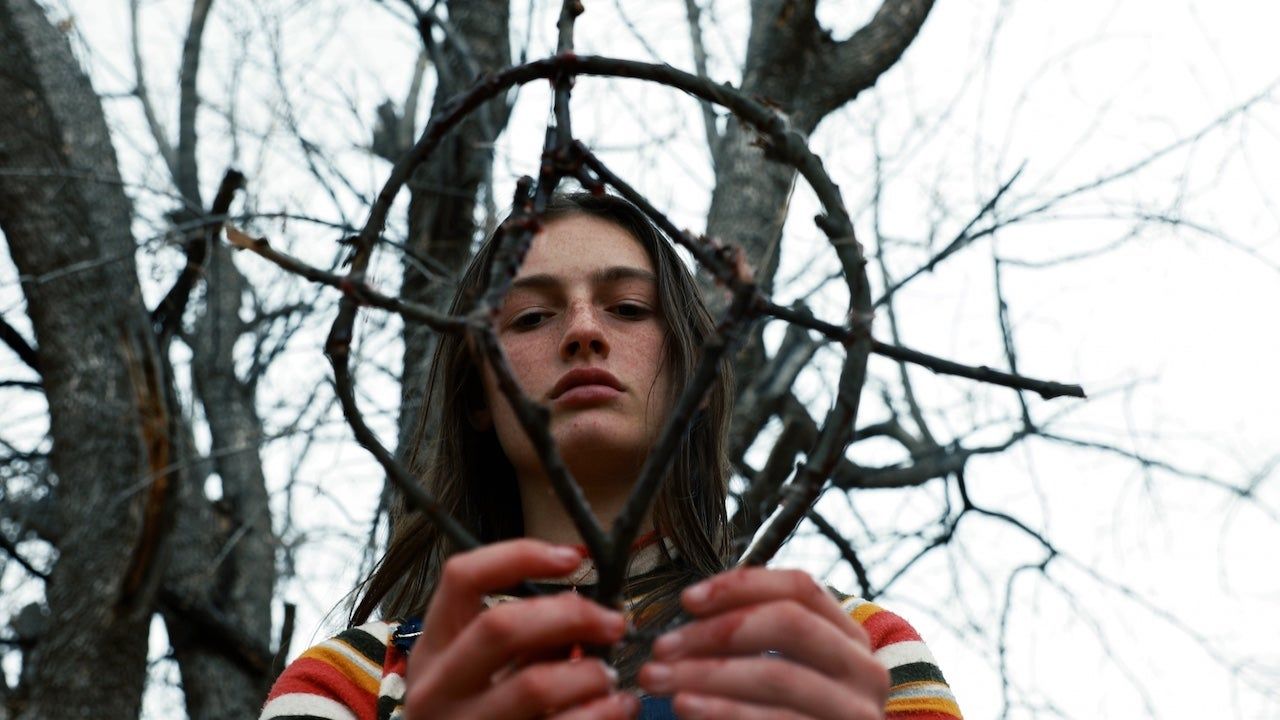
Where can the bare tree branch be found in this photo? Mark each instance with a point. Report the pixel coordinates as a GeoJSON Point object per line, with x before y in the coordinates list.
{"type": "Point", "coordinates": [217, 629]}
{"type": "Point", "coordinates": [847, 551]}
{"type": "Point", "coordinates": [158, 132]}
{"type": "Point", "coordinates": [694, 15]}
{"type": "Point", "coordinates": [1045, 388]}
{"type": "Point", "coordinates": [187, 176]}
{"type": "Point", "coordinates": [167, 315]}
{"type": "Point", "coordinates": [359, 291]}
{"type": "Point", "coordinates": [843, 70]}
{"type": "Point", "coordinates": [23, 349]}
{"type": "Point", "coordinates": [11, 550]}
{"type": "Point", "coordinates": [961, 240]}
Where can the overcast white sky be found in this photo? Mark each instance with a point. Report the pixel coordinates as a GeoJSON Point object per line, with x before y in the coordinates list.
{"type": "Point", "coordinates": [1172, 331]}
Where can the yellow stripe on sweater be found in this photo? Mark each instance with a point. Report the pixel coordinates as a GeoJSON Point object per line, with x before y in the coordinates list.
{"type": "Point", "coordinates": [935, 704]}
{"type": "Point", "coordinates": [865, 610]}
{"type": "Point", "coordinates": [349, 662]}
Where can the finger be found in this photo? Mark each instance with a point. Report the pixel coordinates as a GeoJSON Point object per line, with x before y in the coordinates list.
{"type": "Point", "coordinates": [523, 629]}
{"type": "Point", "coordinates": [467, 577]}
{"type": "Point", "coordinates": [746, 586]}
{"type": "Point", "coordinates": [616, 706]}
{"type": "Point", "coordinates": [705, 707]}
{"type": "Point", "coordinates": [761, 681]}
{"type": "Point", "coordinates": [543, 688]}
{"type": "Point", "coordinates": [785, 626]}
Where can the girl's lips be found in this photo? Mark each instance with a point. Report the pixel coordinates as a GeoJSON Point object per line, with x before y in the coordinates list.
{"type": "Point", "coordinates": [583, 396]}
{"type": "Point", "coordinates": [579, 377]}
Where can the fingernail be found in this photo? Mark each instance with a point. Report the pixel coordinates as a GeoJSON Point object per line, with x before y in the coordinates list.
{"type": "Point", "coordinates": [693, 706]}
{"type": "Point", "coordinates": [697, 594]}
{"type": "Point", "coordinates": [630, 703]}
{"type": "Point", "coordinates": [617, 620]}
{"type": "Point", "coordinates": [564, 553]}
{"type": "Point", "coordinates": [668, 645]}
{"type": "Point", "coordinates": [610, 671]}
{"type": "Point", "coordinates": [656, 677]}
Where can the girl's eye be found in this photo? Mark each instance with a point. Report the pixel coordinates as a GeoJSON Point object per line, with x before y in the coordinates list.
{"type": "Point", "coordinates": [631, 311]}
{"type": "Point", "coordinates": [529, 320]}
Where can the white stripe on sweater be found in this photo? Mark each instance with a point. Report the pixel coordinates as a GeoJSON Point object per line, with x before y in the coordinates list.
{"type": "Point", "coordinates": [306, 704]}
{"type": "Point", "coordinates": [356, 657]}
{"type": "Point", "coordinates": [904, 653]}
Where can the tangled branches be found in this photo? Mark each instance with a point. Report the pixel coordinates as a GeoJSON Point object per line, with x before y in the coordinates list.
{"type": "Point", "coordinates": [564, 157]}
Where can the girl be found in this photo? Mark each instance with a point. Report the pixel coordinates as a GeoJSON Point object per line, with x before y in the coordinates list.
{"type": "Point", "coordinates": [602, 324]}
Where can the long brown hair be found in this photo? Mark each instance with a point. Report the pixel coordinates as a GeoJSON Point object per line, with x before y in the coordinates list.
{"type": "Point", "coordinates": [466, 469]}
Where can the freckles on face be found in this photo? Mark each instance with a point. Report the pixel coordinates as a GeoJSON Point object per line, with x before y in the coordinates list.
{"type": "Point", "coordinates": [584, 334]}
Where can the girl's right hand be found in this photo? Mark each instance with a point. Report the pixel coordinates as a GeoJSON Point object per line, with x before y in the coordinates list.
{"type": "Point", "coordinates": [474, 663]}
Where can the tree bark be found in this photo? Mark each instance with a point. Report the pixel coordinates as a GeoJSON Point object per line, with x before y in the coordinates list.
{"type": "Point", "coordinates": [786, 42]}
{"type": "Point", "coordinates": [68, 229]}
{"type": "Point", "coordinates": [793, 63]}
{"type": "Point", "coordinates": [224, 555]}
{"type": "Point", "coordinates": [443, 193]}
{"type": "Point", "coordinates": [221, 576]}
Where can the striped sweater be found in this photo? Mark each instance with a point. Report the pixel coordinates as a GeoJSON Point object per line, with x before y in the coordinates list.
{"type": "Point", "coordinates": [359, 675]}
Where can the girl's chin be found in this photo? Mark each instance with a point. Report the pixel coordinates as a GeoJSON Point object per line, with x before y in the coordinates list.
{"type": "Point", "coordinates": [599, 443]}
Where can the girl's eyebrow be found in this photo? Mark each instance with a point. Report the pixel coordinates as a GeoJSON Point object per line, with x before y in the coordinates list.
{"type": "Point", "coordinates": [615, 273]}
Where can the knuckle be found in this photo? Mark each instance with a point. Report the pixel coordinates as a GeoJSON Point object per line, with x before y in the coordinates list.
{"type": "Point", "coordinates": [861, 636]}
{"type": "Point", "coordinates": [456, 571]}
{"type": "Point", "coordinates": [535, 687]}
{"type": "Point", "coordinates": [525, 548]}
{"type": "Point", "coordinates": [711, 707]}
{"type": "Point", "coordinates": [804, 586]}
{"type": "Point", "coordinates": [849, 665]}
{"type": "Point", "coordinates": [792, 617]}
{"type": "Point", "coordinates": [421, 695]}
{"type": "Point", "coordinates": [880, 682]}
{"type": "Point", "coordinates": [495, 626]}
{"type": "Point", "coordinates": [776, 681]}
{"type": "Point", "coordinates": [580, 612]}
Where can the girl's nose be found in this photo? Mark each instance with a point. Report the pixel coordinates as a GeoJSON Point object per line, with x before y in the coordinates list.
{"type": "Point", "coordinates": [584, 335]}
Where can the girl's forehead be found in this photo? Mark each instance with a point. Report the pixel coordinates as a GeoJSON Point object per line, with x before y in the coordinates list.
{"type": "Point", "coordinates": [581, 245]}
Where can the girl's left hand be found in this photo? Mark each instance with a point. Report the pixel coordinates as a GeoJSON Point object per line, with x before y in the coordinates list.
{"type": "Point", "coordinates": [766, 644]}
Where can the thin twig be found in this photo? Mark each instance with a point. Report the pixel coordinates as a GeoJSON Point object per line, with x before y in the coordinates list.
{"type": "Point", "coordinates": [657, 464]}
{"type": "Point", "coordinates": [961, 240]}
{"type": "Point", "coordinates": [1047, 389]}
{"type": "Point", "coordinates": [694, 15]}
{"type": "Point", "coordinates": [11, 549]}
{"type": "Point", "coordinates": [23, 349]}
{"type": "Point", "coordinates": [359, 291]}
{"type": "Point", "coordinates": [404, 481]}
{"type": "Point", "coordinates": [535, 420]}
{"type": "Point", "coordinates": [847, 551]}
{"type": "Point", "coordinates": [166, 318]}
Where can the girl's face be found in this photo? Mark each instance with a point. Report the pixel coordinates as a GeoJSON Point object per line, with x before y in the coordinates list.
{"type": "Point", "coordinates": [585, 337]}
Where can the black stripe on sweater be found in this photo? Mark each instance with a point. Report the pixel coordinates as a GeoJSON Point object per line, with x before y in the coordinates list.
{"type": "Point", "coordinates": [915, 672]}
{"type": "Point", "coordinates": [366, 644]}
{"type": "Point", "coordinates": [387, 705]}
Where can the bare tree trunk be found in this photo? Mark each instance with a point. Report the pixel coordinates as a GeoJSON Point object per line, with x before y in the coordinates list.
{"type": "Point", "coordinates": [793, 63]}
{"type": "Point", "coordinates": [68, 229]}
{"type": "Point", "coordinates": [224, 555]}
{"type": "Point", "coordinates": [443, 193]}
{"type": "Point", "coordinates": [127, 523]}
{"type": "Point", "coordinates": [221, 578]}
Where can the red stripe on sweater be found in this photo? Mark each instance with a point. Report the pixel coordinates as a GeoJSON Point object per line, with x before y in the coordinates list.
{"type": "Point", "coordinates": [885, 629]}
{"type": "Point", "coordinates": [396, 662]}
{"type": "Point", "coordinates": [316, 677]}
{"type": "Point", "coordinates": [919, 715]}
